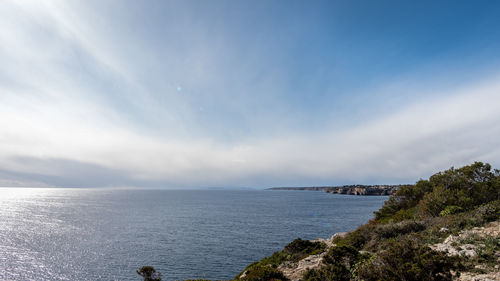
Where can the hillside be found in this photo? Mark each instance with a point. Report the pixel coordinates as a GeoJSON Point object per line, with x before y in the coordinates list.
{"type": "Point", "coordinates": [443, 228]}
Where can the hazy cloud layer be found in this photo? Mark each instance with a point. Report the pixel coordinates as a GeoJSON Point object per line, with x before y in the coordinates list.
{"type": "Point", "coordinates": [85, 100]}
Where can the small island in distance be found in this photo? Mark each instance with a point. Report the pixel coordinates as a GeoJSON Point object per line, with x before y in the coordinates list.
{"type": "Point", "coordinates": [357, 189]}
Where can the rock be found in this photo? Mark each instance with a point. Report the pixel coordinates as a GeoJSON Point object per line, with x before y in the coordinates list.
{"type": "Point", "coordinates": [481, 266]}
{"type": "Point", "coordinates": [445, 247]}
{"type": "Point", "coordinates": [491, 229]}
{"type": "Point", "coordinates": [468, 276]}
{"type": "Point", "coordinates": [295, 270]}
{"type": "Point", "coordinates": [363, 189]}
{"type": "Point", "coordinates": [329, 241]}
{"type": "Point", "coordinates": [451, 239]}
{"type": "Point", "coordinates": [350, 189]}
{"type": "Point", "coordinates": [468, 250]}
{"type": "Point", "coordinates": [471, 251]}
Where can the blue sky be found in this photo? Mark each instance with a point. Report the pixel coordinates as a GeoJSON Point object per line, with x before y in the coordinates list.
{"type": "Point", "coordinates": [191, 94]}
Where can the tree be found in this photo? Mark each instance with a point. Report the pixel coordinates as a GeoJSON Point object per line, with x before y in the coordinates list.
{"type": "Point", "coordinates": [149, 273]}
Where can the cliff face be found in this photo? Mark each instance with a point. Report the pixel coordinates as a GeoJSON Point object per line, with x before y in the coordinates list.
{"type": "Point", "coordinates": [364, 190]}
{"type": "Point", "coordinates": [377, 190]}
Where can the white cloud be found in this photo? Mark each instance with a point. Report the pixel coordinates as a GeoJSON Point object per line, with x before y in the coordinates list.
{"type": "Point", "coordinates": [54, 125]}
{"type": "Point", "coordinates": [403, 145]}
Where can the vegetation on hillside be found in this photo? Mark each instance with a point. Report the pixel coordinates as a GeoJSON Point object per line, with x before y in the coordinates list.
{"type": "Point", "coordinates": [265, 269]}
{"type": "Point", "coordinates": [395, 245]}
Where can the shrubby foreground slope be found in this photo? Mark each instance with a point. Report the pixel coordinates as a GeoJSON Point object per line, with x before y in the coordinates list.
{"type": "Point", "coordinates": [443, 228]}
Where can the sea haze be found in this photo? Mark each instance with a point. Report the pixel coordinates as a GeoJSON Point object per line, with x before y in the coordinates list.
{"type": "Point", "coordinates": [106, 234]}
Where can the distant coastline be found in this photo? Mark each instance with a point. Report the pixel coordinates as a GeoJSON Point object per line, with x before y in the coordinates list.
{"type": "Point", "coordinates": [358, 189]}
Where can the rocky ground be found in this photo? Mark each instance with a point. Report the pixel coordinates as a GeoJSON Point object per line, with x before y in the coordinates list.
{"type": "Point", "coordinates": [463, 245]}
{"type": "Point", "coordinates": [295, 270]}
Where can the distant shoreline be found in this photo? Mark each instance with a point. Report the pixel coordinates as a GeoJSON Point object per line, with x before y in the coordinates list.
{"type": "Point", "coordinates": [366, 190]}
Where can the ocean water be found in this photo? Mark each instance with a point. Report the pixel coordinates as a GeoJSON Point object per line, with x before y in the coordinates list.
{"type": "Point", "coordinates": [106, 234]}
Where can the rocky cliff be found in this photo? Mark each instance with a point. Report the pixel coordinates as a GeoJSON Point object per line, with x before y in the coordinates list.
{"type": "Point", "coordinates": [379, 190]}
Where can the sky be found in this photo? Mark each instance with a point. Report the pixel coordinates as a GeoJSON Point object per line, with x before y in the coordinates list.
{"type": "Point", "coordinates": [196, 94]}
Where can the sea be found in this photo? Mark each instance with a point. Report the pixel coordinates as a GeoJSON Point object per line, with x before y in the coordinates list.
{"type": "Point", "coordinates": [107, 234]}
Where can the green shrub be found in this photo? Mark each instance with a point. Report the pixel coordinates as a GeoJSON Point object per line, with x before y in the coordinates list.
{"type": "Point", "coordinates": [489, 253]}
{"type": "Point", "coordinates": [264, 273]}
{"type": "Point", "coordinates": [407, 259]}
{"type": "Point", "coordinates": [342, 255]}
{"type": "Point", "coordinates": [149, 273]}
{"type": "Point", "coordinates": [464, 188]}
{"type": "Point", "coordinates": [436, 201]}
{"type": "Point", "coordinates": [405, 214]}
{"type": "Point", "coordinates": [450, 210]}
{"type": "Point", "coordinates": [359, 237]}
{"type": "Point", "coordinates": [489, 211]}
{"type": "Point", "coordinates": [397, 229]}
{"type": "Point", "coordinates": [274, 260]}
{"type": "Point", "coordinates": [327, 273]}
{"type": "Point", "coordinates": [295, 251]}
{"type": "Point", "coordinates": [369, 236]}
{"type": "Point", "coordinates": [339, 264]}
{"type": "Point", "coordinates": [487, 249]}
{"type": "Point", "coordinates": [405, 198]}
{"type": "Point", "coordinates": [476, 217]}
{"type": "Point", "coordinates": [300, 249]}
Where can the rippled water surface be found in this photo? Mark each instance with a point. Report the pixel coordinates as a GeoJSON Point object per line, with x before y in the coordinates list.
{"type": "Point", "coordinates": [106, 234]}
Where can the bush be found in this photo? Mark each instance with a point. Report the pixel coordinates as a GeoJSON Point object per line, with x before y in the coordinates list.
{"type": "Point", "coordinates": [339, 264]}
{"type": "Point", "coordinates": [300, 249]}
{"type": "Point", "coordinates": [342, 255]}
{"type": "Point", "coordinates": [466, 188]}
{"type": "Point", "coordinates": [149, 273]}
{"type": "Point", "coordinates": [295, 251]}
{"type": "Point", "coordinates": [463, 188]}
{"type": "Point", "coordinates": [370, 235]}
{"type": "Point", "coordinates": [408, 260]}
{"type": "Point", "coordinates": [391, 230]}
{"type": "Point", "coordinates": [450, 210]}
{"type": "Point", "coordinates": [489, 211]}
{"type": "Point", "coordinates": [476, 217]}
{"type": "Point", "coordinates": [489, 253]}
{"type": "Point", "coordinates": [405, 198]}
{"type": "Point", "coordinates": [327, 273]}
{"type": "Point", "coordinates": [359, 237]}
{"type": "Point", "coordinates": [273, 261]}
{"type": "Point", "coordinates": [264, 273]}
